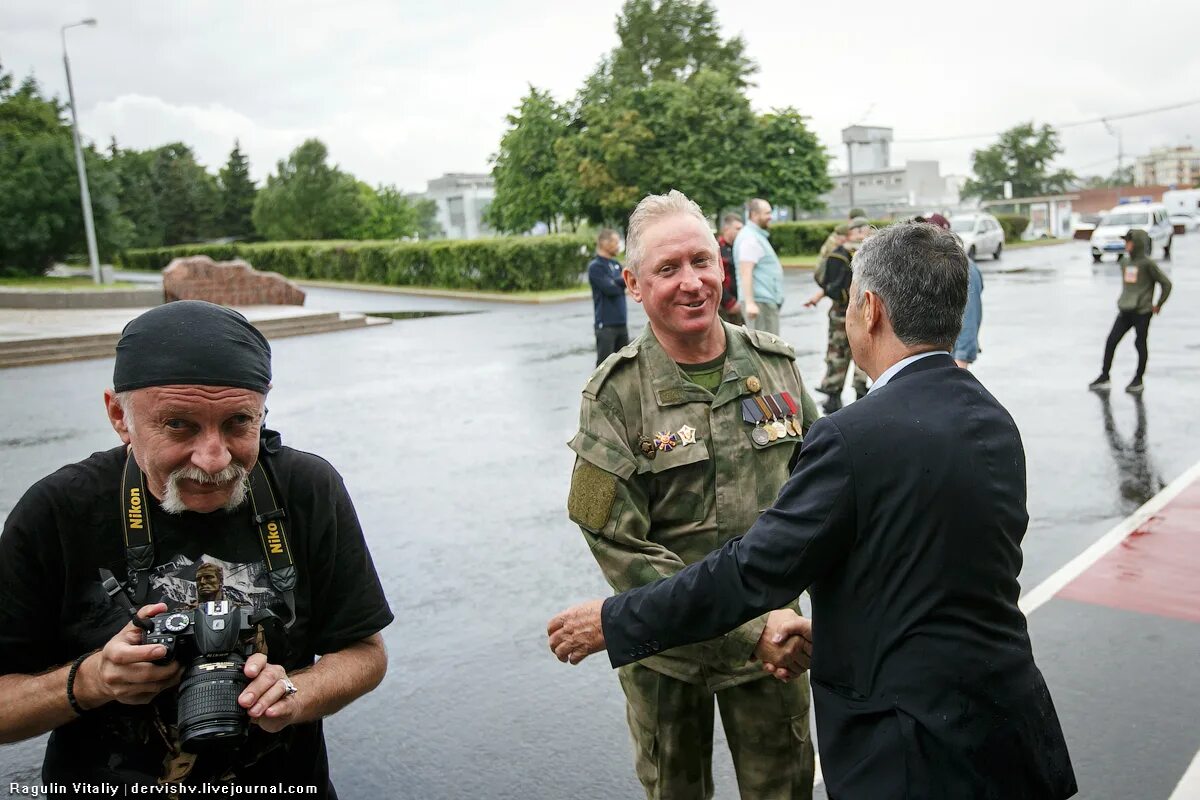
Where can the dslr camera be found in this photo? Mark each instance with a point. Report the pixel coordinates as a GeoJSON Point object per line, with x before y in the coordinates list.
{"type": "Point", "coordinates": [214, 640]}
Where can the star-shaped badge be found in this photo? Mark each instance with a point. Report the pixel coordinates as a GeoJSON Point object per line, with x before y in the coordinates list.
{"type": "Point", "coordinates": [687, 435]}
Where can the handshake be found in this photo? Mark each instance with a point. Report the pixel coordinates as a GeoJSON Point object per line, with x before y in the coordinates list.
{"type": "Point", "coordinates": [784, 647]}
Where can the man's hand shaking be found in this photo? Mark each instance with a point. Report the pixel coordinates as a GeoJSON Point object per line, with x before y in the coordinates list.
{"type": "Point", "coordinates": [785, 646]}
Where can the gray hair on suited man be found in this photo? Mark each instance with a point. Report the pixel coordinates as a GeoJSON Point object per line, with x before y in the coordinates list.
{"type": "Point", "coordinates": [652, 208]}
{"type": "Point", "coordinates": [919, 272]}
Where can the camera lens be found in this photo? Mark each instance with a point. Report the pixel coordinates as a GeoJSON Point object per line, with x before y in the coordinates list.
{"type": "Point", "coordinates": [209, 715]}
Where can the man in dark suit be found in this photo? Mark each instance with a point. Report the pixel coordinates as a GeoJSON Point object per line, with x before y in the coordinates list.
{"type": "Point", "coordinates": [903, 518]}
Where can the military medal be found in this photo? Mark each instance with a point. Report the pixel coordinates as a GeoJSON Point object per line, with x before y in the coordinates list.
{"type": "Point", "coordinates": [666, 441]}
{"type": "Point", "coordinates": [686, 435]}
{"type": "Point", "coordinates": [753, 414]}
{"type": "Point", "coordinates": [646, 445]}
{"type": "Point", "coordinates": [769, 425]}
{"type": "Point", "coordinates": [794, 419]}
{"type": "Point", "coordinates": [781, 426]}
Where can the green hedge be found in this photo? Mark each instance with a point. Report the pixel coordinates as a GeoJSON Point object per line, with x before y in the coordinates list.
{"type": "Point", "coordinates": [513, 264]}
{"type": "Point", "coordinates": [806, 238]}
{"type": "Point", "coordinates": [1014, 225]}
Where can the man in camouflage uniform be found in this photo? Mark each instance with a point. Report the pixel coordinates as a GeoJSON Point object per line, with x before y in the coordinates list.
{"type": "Point", "coordinates": [834, 276]}
{"type": "Point", "coordinates": [684, 436]}
{"type": "Point", "coordinates": [834, 238]}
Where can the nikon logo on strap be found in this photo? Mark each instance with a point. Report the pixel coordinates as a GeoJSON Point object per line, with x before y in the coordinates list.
{"type": "Point", "coordinates": [134, 511]}
{"type": "Point", "coordinates": [274, 539]}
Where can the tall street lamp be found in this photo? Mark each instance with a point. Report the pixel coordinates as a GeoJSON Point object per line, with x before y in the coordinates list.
{"type": "Point", "coordinates": [89, 226]}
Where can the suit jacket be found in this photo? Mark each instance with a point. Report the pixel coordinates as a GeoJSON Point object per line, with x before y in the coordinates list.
{"type": "Point", "coordinates": [903, 518]}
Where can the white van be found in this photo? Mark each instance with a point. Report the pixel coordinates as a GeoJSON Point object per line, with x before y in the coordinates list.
{"type": "Point", "coordinates": [1149, 217]}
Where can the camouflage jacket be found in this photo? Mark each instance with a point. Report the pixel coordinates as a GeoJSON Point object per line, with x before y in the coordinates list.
{"type": "Point", "coordinates": [648, 511]}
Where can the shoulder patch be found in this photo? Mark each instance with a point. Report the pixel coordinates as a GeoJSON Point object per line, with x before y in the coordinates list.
{"type": "Point", "coordinates": [607, 367]}
{"type": "Point", "coordinates": [770, 343]}
{"type": "Point", "coordinates": [593, 493]}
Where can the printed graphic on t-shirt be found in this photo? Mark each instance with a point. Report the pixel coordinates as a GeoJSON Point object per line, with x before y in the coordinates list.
{"type": "Point", "coordinates": [1131, 274]}
{"type": "Point", "coordinates": [180, 582]}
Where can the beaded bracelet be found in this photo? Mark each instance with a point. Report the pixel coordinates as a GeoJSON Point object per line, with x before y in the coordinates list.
{"type": "Point", "coordinates": [71, 683]}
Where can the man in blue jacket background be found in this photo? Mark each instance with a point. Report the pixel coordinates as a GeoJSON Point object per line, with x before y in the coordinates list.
{"type": "Point", "coordinates": [608, 296]}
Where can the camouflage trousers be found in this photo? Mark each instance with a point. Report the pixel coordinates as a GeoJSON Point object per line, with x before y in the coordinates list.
{"type": "Point", "coordinates": [837, 360]}
{"type": "Point", "coordinates": [766, 725]}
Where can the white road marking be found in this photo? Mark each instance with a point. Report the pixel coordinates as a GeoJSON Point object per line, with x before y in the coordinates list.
{"type": "Point", "coordinates": [1041, 593]}
{"type": "Point", "coordinates": [1188, 787]}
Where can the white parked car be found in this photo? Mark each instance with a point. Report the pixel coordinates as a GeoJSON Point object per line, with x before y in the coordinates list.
{"type": "Point", "coordinates": [981, 234]}
{"type": "Point", "coordinates": [1185, 222]}
{"type": "Point", "coordinates": [1149, 217]}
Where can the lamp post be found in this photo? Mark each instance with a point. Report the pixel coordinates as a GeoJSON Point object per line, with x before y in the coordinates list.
{"type": "Point", "coordinates": [85, 197]}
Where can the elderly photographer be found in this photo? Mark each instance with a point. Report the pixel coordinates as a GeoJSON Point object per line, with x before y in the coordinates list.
{"type": "Point", "coordinates": [197, 480]}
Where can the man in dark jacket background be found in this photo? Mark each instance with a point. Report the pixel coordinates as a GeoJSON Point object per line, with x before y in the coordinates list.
{"type": "Point", "coordinates": [1135, 306]}
{"type": "Point", "coordinates": [903, 518]}
{"type": "Point", "coordinates": [730, 309]}
{"type": "Point", "coordinates": [608, 296]}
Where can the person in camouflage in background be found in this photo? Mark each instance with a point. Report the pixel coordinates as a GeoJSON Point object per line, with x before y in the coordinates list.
{"type": "Point", "coordinates": [683, 437]}
{"type": "Point", "coordinates": [834, 276]}
{"type": "Point", "coordinates": [834, 239]}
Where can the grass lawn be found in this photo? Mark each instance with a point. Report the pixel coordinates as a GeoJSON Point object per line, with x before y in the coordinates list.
{"type": "Point", "coordinates": [1034, 243]}
{"type": "Point", "coordinates": [74, 284]}
{"type": "Point", "coordinates": [806, 261]}
{"type": "Point", "coordinates": [549, 295]}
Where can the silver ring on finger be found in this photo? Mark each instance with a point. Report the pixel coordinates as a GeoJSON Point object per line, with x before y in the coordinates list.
{"type": "Point", "coordinates": [289, 688]}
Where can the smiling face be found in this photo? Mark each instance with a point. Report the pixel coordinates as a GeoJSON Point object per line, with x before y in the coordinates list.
{"type": "Point", "coordinates": [194, 443]}
{"type": "Point", "coordinates": [679, 278]}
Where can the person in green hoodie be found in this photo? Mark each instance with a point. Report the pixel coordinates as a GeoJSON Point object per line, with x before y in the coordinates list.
{"type": "Point", "coordinates": [1136, 305]}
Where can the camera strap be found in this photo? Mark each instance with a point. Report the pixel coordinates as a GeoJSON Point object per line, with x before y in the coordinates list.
{"type": "Point", "coordinates": [269, 516]}
{"type": "Point", "coordinates": [266, 511]}
{"type": "Point", "coordinates": [139, 539]}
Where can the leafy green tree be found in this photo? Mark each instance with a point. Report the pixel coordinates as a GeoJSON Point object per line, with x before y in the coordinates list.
{"type": "Point", "coordinates": [138, 195]}
{"type": "Point", "coordinates": [1119, 177]}
{"type": "Point", "coordinates": [166, 194]}
{"type": "Point", "coordinates": [530, 186]}
{"type": "Point", "coordinates": [391, 215]}
{"type": "Point", "coordinates": [428, 226]}
{"type": "Point", "coordinates": [696, 136]}
{"type": "Point", "coordinates": [187, 194]}
{"type": "Point", "coordinates": [674, 40]}
{"type": "Point", "coordinates": [1022, 156]}
{"type": "Point", "coordinates": [40, 216]}
{"type": "Point", "coordinates": [791, 166]}
{"type": "Point", "coordinates": [235, 216]}
{"type": "Point", "coordinates": [307, 198]}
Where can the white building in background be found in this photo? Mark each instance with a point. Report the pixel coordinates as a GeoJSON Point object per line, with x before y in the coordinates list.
{"type": "Point", "coordinates": [1168, 166]}
{"type": "Point", "coordinates": [882, 189]}
{"type": "Point", "coordinates": [462, 198]}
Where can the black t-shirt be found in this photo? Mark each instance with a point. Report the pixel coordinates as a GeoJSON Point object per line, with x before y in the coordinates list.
{"type": "Point", "coordinates": [53, 609]}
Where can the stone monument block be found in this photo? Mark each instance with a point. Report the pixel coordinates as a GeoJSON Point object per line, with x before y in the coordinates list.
{"type": "Point", "coordinates": [227, 283]}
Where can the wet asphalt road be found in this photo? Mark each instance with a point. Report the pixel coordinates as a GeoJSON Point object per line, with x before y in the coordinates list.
{"type": "Point", "coordinates": [451, 430]}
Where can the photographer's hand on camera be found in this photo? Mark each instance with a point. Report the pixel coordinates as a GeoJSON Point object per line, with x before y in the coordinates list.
{"type": "Point", "coordinates": [123, 670]}
{"type": "Point", "coordinates": [267, 698]}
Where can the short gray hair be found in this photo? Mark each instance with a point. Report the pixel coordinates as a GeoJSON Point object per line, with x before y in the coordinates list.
{"type": "Point", "coordinates": [125, 401]}
{"type": "Point", "coordinates": [758, 204]}
{"type": "Point", "coordinates": [920, 274]}
{"type": "Point", "coordinates": [651, 209]}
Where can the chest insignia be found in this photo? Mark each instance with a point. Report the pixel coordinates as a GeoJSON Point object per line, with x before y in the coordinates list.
{"type": "Point", "coordinates": [646, 445]}
{"type": "Point", "coordinates": [666, 441]}
{"type": "Point", "coordinates": [686, 435]}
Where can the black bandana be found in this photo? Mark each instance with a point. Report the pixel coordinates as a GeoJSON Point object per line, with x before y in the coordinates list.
{"type": "Point", "coordinates": [192, 343]}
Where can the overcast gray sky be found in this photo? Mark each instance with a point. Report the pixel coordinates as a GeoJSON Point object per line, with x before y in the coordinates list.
{"type": "Point", "coordinates": [404, 91]}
